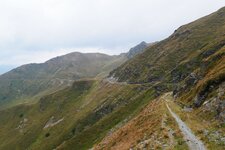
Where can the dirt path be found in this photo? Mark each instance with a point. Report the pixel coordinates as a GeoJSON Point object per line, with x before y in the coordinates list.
{"type": "Point", "coordinates": [193, 142]}
{"type": "Point", "coordinates": [114, 81]}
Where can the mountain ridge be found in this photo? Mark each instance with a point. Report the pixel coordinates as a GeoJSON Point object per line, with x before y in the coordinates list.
{"type": "Point", "coordinates": [170, 52]}
{"type": "Point", "coordinates": [183, 75]}
{"type": "Point", "coordinates": [26, 81]}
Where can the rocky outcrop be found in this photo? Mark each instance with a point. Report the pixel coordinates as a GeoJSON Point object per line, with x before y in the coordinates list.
{"type": "Point", "coordinates": [137, 49]}
{"type": "Point", "coordinates": [216, 104]}
{"type": "Point", "coordinates": [52, 122]}
{"type": "Point", "coordinates": [188, 83]}
{"type": "Point", "coordinates": [209, 87]}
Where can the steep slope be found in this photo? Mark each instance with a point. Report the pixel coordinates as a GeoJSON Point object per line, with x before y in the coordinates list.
{"type": "Point", "coordinates": [177, 56]}
{"type": "Point", "coordinates": [74, 118]}
{"type": "Point", "coordinates": [156, 128]}
{"type": "Point", "coordinates": [192, 62]}
{"type": "Point", "coordinates": [205, 87]}
{"type": "Point", "coordinates": [152, 128]}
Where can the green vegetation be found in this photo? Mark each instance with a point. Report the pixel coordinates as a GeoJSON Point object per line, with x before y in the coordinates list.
{"type": "Point", "coordinates": [30, 82]}
{"type": "Point", "coordinates": [174, 58]}
{"type": "Point", "coordinates": [89, 110]}
{"type": "Point", "coordinates": [65, 104]}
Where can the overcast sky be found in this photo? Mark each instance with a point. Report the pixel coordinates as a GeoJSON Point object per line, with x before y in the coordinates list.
{"type": "Point", "coordinates": [37, 30]}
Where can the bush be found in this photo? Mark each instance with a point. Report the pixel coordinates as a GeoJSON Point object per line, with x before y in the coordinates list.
{"type": "Point", "coordinates": [47, 135]}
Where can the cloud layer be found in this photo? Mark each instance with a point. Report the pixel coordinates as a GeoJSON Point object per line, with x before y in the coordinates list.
{"type": "Point", "coordinates": [33, 28]}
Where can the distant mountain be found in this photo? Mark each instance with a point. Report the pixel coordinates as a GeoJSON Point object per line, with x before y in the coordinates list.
{"type": "Point", "coordinates": [32, 79]}
{"type": "Point", "coordinates": [71, 66]}
{"type": "Point", "coordinates": [5, 68]}
{"type": "Point", "coordinates": [25, 82]}
{"type": "Point", "coordinates": [137, 49]}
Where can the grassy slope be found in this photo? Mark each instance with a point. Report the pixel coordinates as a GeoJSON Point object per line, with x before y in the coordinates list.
{"type": "Point", "coordinates": [96, 132]}
{"type": "Point", "coordinates": [215, 72]}
{"type": "Point", "coordinates": [206, 127]}
{"type": "Point", "coordinates": [192, 60]}
{"type": "Point", "coordinates": [31, 131]}
{"type": "Point", "coordinates": [189, 41]}
{"type": "Point", "coordinates": [30, 80]}
{"type": "Point", "coordinates": [152, 128]}
{"type": "Point", "coordinates": [196, 48]}
{"type": "Point", "coordinates": [89, 109]}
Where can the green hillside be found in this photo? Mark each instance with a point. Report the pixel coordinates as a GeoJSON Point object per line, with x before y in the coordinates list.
{"type": "Point", "coordinates": [192, 62]}
{"type": "Point", "coordinates": [79, 116]}
{"type": "Point", "coordinates": [23, 83]}
{"type": "Point", "coordinates": [30, 82]}
{"type": "Point", "coordinates": [191, 59]}
{"type": "Point", "coordinates": [131, 109]}
{"type": "Point", "coordinates": [176, 57]}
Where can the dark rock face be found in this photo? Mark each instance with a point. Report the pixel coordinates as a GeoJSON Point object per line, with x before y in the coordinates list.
{"type": "Point", "coordinates": [199, 99]}
{"type": "Point", "coordinates": [159, 89]}
{"type": "Point", "coordinates": [189, 82]}
{"type": "Point", "coordinates": [181, 33]}
{"type": "Point", "coordinates": [216, 104]}
{"type": "Point", "coordinates": [192, 79]}
{"type": "Point", "coordinates": [137, 49]}
{"type": "Point", "coordinates": [209, 87]}
{"type": "Point", "coordinates": [213, 49]}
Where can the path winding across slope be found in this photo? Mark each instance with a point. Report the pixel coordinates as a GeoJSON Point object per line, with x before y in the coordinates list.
{"type": "Point", "coordinates": [193, 142]}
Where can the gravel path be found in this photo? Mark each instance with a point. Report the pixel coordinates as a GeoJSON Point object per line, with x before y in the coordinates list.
{"type": "Point", "coordinates": [193, 142]}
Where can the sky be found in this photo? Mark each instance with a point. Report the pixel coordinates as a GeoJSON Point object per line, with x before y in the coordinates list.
{"type": "Point", "coordinates": [33, 31]}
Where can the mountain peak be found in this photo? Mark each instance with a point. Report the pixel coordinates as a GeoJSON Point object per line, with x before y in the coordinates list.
{"type": "Point", "coordinates": [137, 49]}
